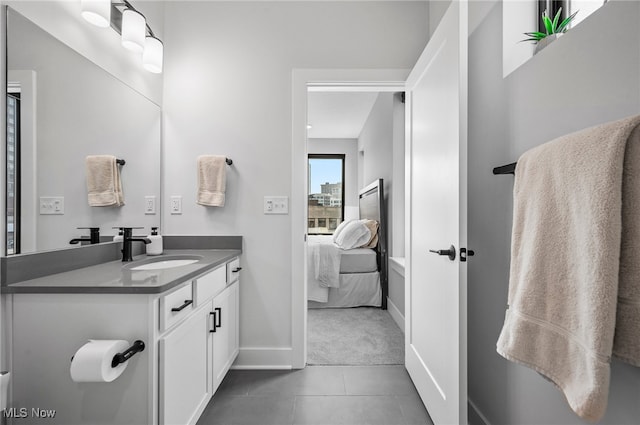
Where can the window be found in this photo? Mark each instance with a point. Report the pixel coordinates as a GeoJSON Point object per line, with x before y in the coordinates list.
{"type": "Point", "coordinates": [519, 17]}
{"type": "Point", "coordinates": [326, 193]}
{"type": "Point", "coordinates": [12, 212]}
{"type": "Point", "coordinates": [583, 8]}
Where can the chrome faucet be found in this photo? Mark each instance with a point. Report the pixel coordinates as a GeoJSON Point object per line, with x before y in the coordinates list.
{"type": "Point", "coordinates": [128, 238]}
{"type": "Point", "coordinates": [93, 238]}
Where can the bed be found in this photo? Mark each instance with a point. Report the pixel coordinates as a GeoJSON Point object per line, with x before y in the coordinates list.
{"type": "Point", "coordinates": [352, 277]}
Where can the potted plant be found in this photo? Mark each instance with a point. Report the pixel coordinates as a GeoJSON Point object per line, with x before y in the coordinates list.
{"type": "Point", "coordinates": [554, 29]}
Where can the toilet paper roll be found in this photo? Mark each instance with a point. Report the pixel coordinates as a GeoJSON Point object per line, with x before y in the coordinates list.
{"type": "Point", "coordinates": [92, 362]}
{"type": "Point", "coordinates": [5, 377]}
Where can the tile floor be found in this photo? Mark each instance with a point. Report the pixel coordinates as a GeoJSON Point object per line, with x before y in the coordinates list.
{"type": "Point", "coordinates": [318, 395]}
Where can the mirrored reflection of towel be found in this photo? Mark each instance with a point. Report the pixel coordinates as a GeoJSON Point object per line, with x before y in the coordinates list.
{"type": "Point", "coordinates": [104, 186]}
{"type": "Point", "coordinates": [574, 262]}
{"type": "Point", "coordinates": [212, 179]}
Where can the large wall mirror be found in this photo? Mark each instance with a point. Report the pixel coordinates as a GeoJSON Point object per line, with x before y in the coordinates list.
{"type": "Point", "coordinates": [61, 108]}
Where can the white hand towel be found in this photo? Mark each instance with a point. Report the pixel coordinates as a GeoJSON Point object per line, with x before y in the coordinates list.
{"type": "Point", "coordinates": [104, 186]}
{"type": "Point", "coordinates": [574, 263]}
{"type": "Point", "coordinates": [212, 179]}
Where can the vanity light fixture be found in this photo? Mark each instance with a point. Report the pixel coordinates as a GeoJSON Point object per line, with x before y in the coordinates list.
{"type": "Point", "coordinates": [97, 12]}
{"type": "Point", "coordinates": [134, 28]}
{"type": "Point", "coordinates": [152, 55]}
{"type": "Point", "coordinates": [136, 34]}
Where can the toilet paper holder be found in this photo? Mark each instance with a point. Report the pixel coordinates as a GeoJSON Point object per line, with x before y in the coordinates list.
{"type": "Point", "coordinates": [128, 353]}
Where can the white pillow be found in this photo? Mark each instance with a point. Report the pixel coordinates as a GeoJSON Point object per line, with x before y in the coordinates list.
{"type": "Point", "coordinates": [354, 235]}
{"type": "Point", "coordinates": [372, 225]}
{"type": "Point", "coordinates": [339, 229]}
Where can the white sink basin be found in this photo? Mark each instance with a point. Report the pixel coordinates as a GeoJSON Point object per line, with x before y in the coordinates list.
{"type": "Point", "coordinates": [167, 263]}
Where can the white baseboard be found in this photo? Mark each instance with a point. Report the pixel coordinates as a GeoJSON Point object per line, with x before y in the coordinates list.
{"type": "Point", "coordinates": [475, 415]}
{"type": "Point", "coordinates": [263, 358]}
{"type": "Point", "coordinates": [395, 314]}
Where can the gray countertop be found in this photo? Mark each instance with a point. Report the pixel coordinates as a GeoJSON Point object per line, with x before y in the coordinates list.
{"type": "Point", "coordinates": [116, 277]}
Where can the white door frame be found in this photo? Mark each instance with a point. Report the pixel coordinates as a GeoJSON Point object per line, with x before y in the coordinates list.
{"type": "Point", "coordinates": [303, 80]}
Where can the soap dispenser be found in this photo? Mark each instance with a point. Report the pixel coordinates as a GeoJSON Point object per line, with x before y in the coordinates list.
{"type": "Point", "coordinates": [120, 236]}
{"type": "Point", "coordinates": [155, 247]}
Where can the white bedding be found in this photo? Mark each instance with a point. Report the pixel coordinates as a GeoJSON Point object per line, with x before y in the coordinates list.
{"type": "Point", "coordinates": [323, 261]}
{"type": "Point", "coordinates": [325, 284]}
{"type": "Point", "coordinates": [356, 290]}
{"type": "Point", "coordinates": [359, 260]}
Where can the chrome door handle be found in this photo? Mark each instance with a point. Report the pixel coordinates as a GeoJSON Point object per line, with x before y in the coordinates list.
{"type": "Point", "coordinates": [451, 252]}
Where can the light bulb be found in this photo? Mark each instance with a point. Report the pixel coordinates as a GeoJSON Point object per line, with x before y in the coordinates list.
{"type": "Point", "coordinates": [97, 12]}
{"type": "Point", "coordinates": [133, 30]}
{"type": "Point", "coordinates": [152, 55]}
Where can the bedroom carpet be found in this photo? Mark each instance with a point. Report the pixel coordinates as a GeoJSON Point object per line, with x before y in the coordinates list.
{"type": "Point", "coordinates": [353, 336]}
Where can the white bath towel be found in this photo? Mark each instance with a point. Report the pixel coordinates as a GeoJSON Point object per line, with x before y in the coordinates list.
{"type": "Point", "coordinates": [212, 180]}
{"type": "Point", "coordinates": [626, 343]}
{"type": "Point", "coordinates": [104, 186]}
{"type": "Point", "coordinates": [566, 267]}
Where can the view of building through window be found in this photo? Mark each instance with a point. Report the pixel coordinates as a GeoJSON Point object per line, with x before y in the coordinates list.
{"type": "Point", "coordinates": [326, 193]}
{"type": "Point", "coordinates": [13, 140]}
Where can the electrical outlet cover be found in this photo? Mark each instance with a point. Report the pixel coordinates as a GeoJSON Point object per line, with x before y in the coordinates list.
{"type": "Point", "coordinates": [150, 205]}
{"type": "Point", "coordinates": [176, 205]}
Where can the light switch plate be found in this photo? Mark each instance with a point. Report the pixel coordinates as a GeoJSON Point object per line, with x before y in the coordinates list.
{"type": "Point", "coordinates": [51, 205]}
{"type": "Point", "coordinates": [276, 205]}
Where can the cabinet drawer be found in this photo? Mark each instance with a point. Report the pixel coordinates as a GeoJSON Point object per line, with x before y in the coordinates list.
{"type": "Point", "coordinates": [233, 270]}
{"type": "Point", "coordinates": [175, 306]}
{"type": "Point", "coordinates": [210, 284]}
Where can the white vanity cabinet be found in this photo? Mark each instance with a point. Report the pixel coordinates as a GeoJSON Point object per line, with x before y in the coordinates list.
{"type": "Point", "coordinates": [198, 350]}
{"type": "Point", "coordinates": [183, 362]}
{"type": "Point", "coordinates": [225, 335]}
{"type": "Point", "coordinates": [168, 383]}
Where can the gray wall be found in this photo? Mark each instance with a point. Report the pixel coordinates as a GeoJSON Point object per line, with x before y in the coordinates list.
{"type": "Point", "coordinates": [228, 90]}
{"type": "Point", "coordinates": [379, 140]}
{"type": "Point", "coordinates": [437, 9]}
{"type": "Point", "coordinates": [376, 140]}
{"type": "Point", "coordinates": [587, 77]}
{"type": "Point", "coordinates": [396, 222]}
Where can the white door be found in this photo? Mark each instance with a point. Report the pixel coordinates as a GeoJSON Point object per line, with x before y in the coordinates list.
{"type": "Point", "coordinates": [435, 316]}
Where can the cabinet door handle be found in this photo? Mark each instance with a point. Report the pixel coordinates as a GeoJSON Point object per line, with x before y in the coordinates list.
{"type": "Point", "coordinates": [183, 306]}
{"type": "Point", "coordinates": [214, 322]}
{"type": "Point", "coordinates": [219, 310]}
{"type": "Point", "coordinates": [236, 270]}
